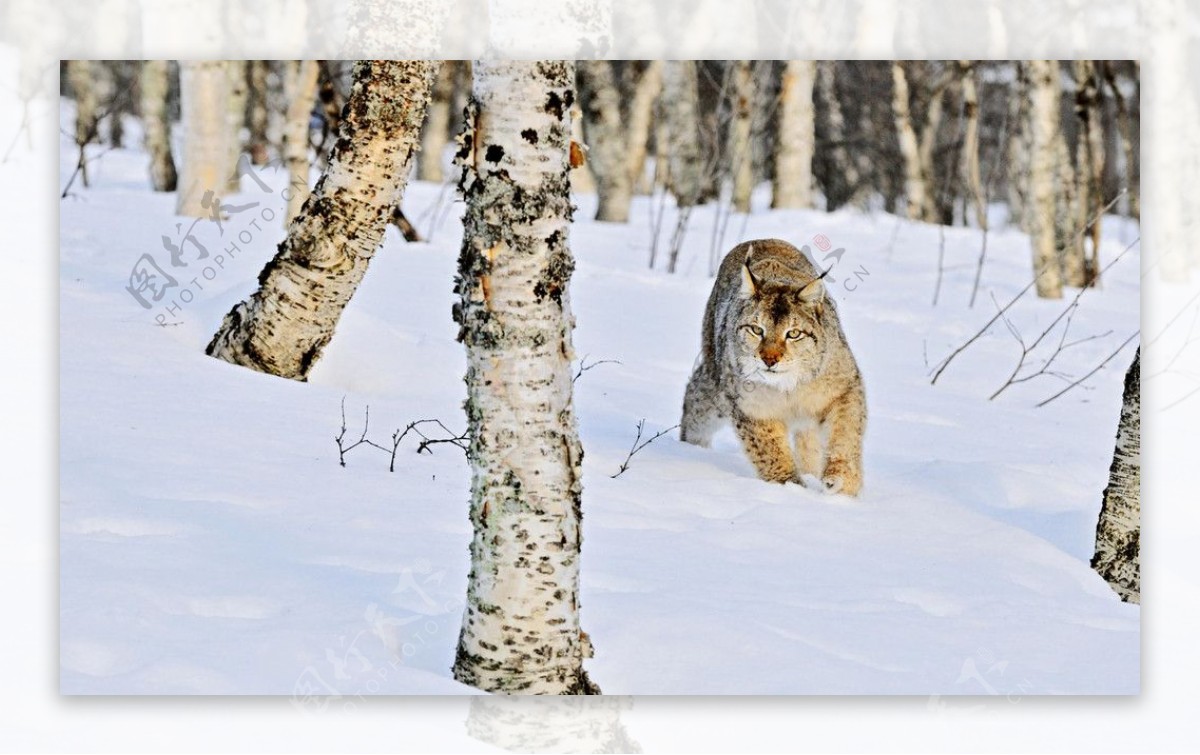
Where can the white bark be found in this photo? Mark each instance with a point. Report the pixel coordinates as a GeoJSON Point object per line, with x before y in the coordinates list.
{"type": "Point", "coordinates": [918, 198]}
{"type": "Point", "coordinates": [1118, 531]}
{"type": "Point", "coordinates": [1090, 175]}
{"type": "Point", "coordinates": [739, 148]}
{"type": "Point", "coordinates": [156, 125]}
{"type": "Point", "coordinates": [681, 117]}
{"type": "Point", "coordinates": [435, 134]}
{"type": "Point", "coordinates": [300, 87]}
{"type": "Point", "coordinates": [235, 119]}
{"type": "Point", "coordinates": [204, 86]}
{"type": "Point", "coordinates": [641, 116]}
{"type": "Point", "coordinates": [1043, 114]}
{"type": "Point", "coordinates": [81, 76]}
{"type": "Point", "coordinates": [795, 139]}
{"type": "Point", "coordinates": [605, 137]}
{"type": "Point", "coordinates": [520, 630]}
{"type": "Point", "coordinates": [282, 328]}
{"type": "Point", "coordinates": [970, 150]}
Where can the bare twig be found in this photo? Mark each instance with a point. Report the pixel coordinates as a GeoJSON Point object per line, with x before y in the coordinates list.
{"type": "Point", "coordinates": [585, 365]}
{"type": "Point", "coordinates": [937, 288]}
{"type": "Point", "coordinates": [1002, 310]}
{"type": "Point", "coordinates": [457, 440]}
{"type": "Point", "coordinates": [1027, 349]}
{"type": "Point", "coordinates": [1095, 369]}
{"type": "Point", "coordinates": [639, 444]}
{"type": "Point", "coordinates": [343, 449]}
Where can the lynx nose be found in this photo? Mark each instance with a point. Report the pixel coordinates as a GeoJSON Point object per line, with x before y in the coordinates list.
{"type": "Point", "coordinates": [771, 357]}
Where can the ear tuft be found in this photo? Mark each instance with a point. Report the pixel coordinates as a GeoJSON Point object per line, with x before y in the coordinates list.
{"type": "Point", "coordinates": [749, 282]}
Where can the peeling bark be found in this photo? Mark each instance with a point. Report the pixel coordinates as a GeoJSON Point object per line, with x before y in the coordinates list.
{"type": "Point", "coordinates": [1118, 531]}
{"type": "Point", "coordinates": [520, 631]}
{"type": "Point", "coordinates": [283, 327]}
{"type": "Point", "coordinates": [156, 125]}
{"type": "Point", "coordinates": [796, 137]}
{"type": "Point", "coordinates": [605, 137]}
{"type": "Point", "coordinates": [204, 86]}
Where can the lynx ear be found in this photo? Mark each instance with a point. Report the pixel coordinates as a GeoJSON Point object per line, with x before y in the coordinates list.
{"type": "Point", "coordinates": [813, 292]}
{"type": "Point", "coordinates": [749, 282]}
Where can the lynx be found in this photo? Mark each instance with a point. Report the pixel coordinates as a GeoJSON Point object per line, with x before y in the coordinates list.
{"type": "Point", "coordinates": [775, 362]}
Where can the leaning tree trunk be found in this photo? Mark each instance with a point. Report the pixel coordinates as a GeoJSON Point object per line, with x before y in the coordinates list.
{"type": "Point", "coordinates": [1043, 114]}
{"type": "Point", "coordinates": [795, 137]}
{"type": "Point", "coordinates": [283, 326]}
{"type": "Point", "coordinates": [738, 149]}
{"type": "Point", "coordinates": [156, 125]}
{"type": "Point", "coordinates": [647, 87]}
{"type": "Point", "coordinates": [520, 630]}
{"type": "Point", "coordinates": [436, 132]}
{"type": "Point", "coordinates": [605, 136]}
{"type": "Point", "coordinates": [235, 119]}
{"type": "Point", "coordinates": [203, 86]}
{"type": "Point", "coordinates": [300, 87]}
{"type": "Point", "coordinates": [1118, 532]}
{"type": "Point", "coordinates": [681, 115]}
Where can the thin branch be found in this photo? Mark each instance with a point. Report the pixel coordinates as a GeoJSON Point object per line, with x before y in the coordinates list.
{"type": "Point", "coordinates": [1095, 369]}
{"type": "Point", "coordinates": [937, 288]}
{"type": "Point", "coordinates": [639, 444]}
{"type": "Point", "coordinates": [584, 366]}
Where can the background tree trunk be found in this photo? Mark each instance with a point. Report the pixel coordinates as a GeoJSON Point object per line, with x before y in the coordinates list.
{"type": "Point", "coordinates": [282, 328]}
{"type": "Point", "coordinates": [972, 181]}
{"type": "Point", "coordinates": [156, 124]}
{"type": "Point", "coordinates": [680, 105]}
{"type": "Point", "coordinates": [841, 175]}
{"type": "Point", "coordinates": [646, 89]}
{"type": "Point", "coordinates": [1043, 115]}
{"type": "Point", "coordinates": [300, 86]}
{"type": "Point", "coordinates": [257, 113]}
{"type": "Point", "coordinates": [1090, 161]}
{"type": "Point", "coordinates": [739, 149]}
{"type": "Point", "coordinates": [520, 630]}
{"type": "Point", "coordinates": [604, 135]}
{"type": "Point", "coordinates": [436, 132]}
{"type": "Point", "coordinates": [796, 137]}
{"type": "Point", "coordinates": [204, 87]}
{"type": "Point", "coordinates": [235, 119]}
{"type": "Point", "coordinates": [1118, 532]}
{"type": "Point", "coordinates": [918, 198]}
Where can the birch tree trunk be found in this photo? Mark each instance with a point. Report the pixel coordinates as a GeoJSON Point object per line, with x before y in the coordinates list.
{"type": "Point", "coordinates": [520, 631]}
{"type": "Point", "coordinates": [1090, 162]}
{"type": "Point", "coordinates": [1125, 132]}
{"type": "Point", "coordinates": [235, 119]}
{"type": "Point", "coordinates": [918, 199]}
{"type": "Point", "coordinates": [435, 133]}
{"type": "Point", "coordinates": [257, 114]}
{"type": "Point", "coordinates": [738, 149]}
{"type": "Point", "coordinates": [1019, 152]}
{"type": "Point", "coordinates": [1118, 531]}
{"type": "Point", "coordinates": [1043, 113]}
{"type": "Point", "coordinates": [156, 125]}
{"type": "Point", "coordinates": [970, 151]}
{"type": "Point", "coordinates": [605, 137]}
{"type": "Point", "coordinates": [795, 139]}
{"type": "Point", "coordinates": [300, 86]}
{"type": "Point", "coordinates": [841, 174]}
{"type": "Point", "coordinates": [681, 115]}
{"type": "Point", "coordinates": [282, 328]}
{"type": "Point", "coordinates": [646, 90]}
{"type": "Point", "coordinates": [204, 86]}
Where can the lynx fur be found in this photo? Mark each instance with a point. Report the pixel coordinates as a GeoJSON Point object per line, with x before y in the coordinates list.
{"type": "Point", "coordinates": [775, 362]}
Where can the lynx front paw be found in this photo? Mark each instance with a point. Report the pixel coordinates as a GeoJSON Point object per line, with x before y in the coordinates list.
{"type": "Point", "coordinates": [841, 477]}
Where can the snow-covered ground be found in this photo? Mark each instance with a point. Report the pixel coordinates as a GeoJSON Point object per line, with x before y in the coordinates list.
{"type": "Point", "coordinates": [211, 543]}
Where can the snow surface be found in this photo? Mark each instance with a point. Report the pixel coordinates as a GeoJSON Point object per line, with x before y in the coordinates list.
{"type": "Point", "coordinates": [211, 543]}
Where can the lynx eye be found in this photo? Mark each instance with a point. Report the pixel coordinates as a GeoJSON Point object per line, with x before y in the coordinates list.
{"type": "Point", "coordinates": [795, 334]}
{"type": "Point", "coordinates": [756, 330]}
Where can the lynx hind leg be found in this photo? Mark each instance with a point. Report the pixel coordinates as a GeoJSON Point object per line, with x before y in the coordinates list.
{"type": "Point", "coordinates": [810, 450]}
{"type": "Point", "coordinates": [703, 408]}
{"type": "Point", "coordinates": [766, 443]}
{"type": "Point", "coordinates": [846, 423]}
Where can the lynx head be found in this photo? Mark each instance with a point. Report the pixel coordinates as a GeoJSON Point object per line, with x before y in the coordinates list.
{"type": "Point", "coordinates": [779, 337]}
